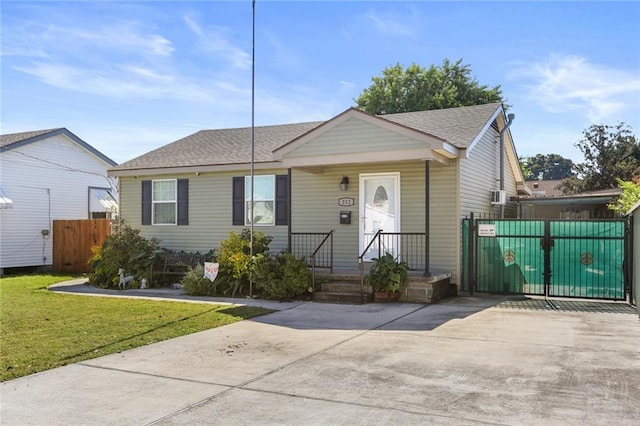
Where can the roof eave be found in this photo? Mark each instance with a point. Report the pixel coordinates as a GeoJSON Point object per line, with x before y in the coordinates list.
{"type": "Point", "coordinates": [148, 171]}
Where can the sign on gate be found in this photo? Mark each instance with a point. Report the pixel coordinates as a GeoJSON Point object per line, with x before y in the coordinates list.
{"type": "Point", "coordinates": [486, 230]}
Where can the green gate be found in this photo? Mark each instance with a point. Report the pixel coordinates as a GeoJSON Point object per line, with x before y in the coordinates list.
{"type": "Point", "coordinates": [559, 258]}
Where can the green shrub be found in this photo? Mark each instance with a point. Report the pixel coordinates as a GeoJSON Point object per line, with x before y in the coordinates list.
{"type": "Point", "coordinates": [282, 276]}
{"type": "Point", "coordinates": [126, 249]}
{"type": "Point", "coordinates": [387, 274]}
{"type": "Point", "coordinates": [195, 284]}
{"type": "Point", "coordinates": [235, 260]}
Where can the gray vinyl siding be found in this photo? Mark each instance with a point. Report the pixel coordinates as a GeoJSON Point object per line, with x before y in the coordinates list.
{"type": "Point", "coordinates": [315, 208]}
{"type": "Point", "coordinates": [445, 227]}
{"type": "Point", "coordinates": [353, 136]}
{"type": "Point", "coordinates": [314, 204]}
{"type": "Point", "coordinates": [480, 173]}
{"type": "Point", "coordinates": [210, 212]}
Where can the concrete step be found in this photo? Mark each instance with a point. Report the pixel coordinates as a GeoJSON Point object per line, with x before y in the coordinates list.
{"type": "Point", "coordinates": [344, 287]}
{"type": "Point", "coordinates": [337, 297]}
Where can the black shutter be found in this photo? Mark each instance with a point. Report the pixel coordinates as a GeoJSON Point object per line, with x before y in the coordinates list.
{"type": "Point", "coordinates": [183, 201]}
{"type": "Point", "coordinates": [146, 202]}
{"type": "Point", "coordinates": [282, 200]}
{"type": "Point", "coordinates": [238, 201]}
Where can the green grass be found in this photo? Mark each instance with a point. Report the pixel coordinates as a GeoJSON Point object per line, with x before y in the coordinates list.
{"type": "Point", "coordinates": [41, 330]}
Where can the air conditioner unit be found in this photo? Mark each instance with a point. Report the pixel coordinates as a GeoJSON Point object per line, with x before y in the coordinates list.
{"type": "Point", "coordinates": [498, 197]}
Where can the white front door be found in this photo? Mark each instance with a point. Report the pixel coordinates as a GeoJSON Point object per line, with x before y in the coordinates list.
{"type": "Point", "coordinates": [379, 209]}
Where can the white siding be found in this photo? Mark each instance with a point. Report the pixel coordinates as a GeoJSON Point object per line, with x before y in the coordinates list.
{"type": "Point", "coordinates": [50, 181]}
{"type": "Point", "coordinates": [210, 212]}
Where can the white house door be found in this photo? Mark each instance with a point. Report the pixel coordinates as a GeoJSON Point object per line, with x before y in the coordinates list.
{"type": "Point", "coordinates": [379, 209]}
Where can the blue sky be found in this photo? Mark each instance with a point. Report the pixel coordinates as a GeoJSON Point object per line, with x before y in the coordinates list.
{"type": "Point", "coordinates": [128, 77]}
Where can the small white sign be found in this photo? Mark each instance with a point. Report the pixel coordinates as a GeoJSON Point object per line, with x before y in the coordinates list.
{"type": "Point", "coordinates": [486, 230]}
{"type": "Point", "coordinates": [211, 270]}
{"type": "Point", "coordinates": [346, 202]}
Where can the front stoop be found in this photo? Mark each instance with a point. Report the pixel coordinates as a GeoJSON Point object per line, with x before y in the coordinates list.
{"type": "Point", "coordinates": [346, 290]}
{"type": "Point", "coordinates": [429, 289]}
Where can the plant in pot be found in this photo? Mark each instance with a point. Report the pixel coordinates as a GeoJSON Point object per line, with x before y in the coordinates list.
{"type": "Point", "coordinates": [386, 276]}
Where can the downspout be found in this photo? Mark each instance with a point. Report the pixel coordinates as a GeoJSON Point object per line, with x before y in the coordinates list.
{"type": "Point", "coordinates": [510, 118]}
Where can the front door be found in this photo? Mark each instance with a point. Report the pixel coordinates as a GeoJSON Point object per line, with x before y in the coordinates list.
{"type": "Point", "coordinates": [379, 210]}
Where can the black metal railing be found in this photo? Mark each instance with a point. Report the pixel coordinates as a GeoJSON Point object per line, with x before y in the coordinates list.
{"type": "Point", "coordinates": [408, 247]}
{"type": "Point", "coordinates": [316, 248]}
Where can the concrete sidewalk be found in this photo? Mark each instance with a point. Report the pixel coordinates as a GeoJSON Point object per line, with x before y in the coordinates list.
{"type": "Point", "coordinates": [466, 361]}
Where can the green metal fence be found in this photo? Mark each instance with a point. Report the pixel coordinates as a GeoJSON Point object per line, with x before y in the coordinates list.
{"type": "Point", "coordinates": [584, 259]}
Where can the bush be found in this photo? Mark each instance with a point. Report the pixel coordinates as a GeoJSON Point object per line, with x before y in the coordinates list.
{"type": "Point", "coordinates": [195, 284]}
{"type": "Point", "coordinates": [282, 276]}
{"type": "Point", "coordinates": [235, 260]}
{"type": "Point", "coordinates": [126, 249]}
{"type": "Point", "coordinates": [387, 274]}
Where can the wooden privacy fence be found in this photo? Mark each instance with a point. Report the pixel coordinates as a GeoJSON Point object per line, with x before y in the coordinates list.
{"type": "Point", "coordinates": [72, 242]}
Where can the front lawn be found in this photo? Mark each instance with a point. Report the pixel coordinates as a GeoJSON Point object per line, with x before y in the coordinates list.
{"type": "Point", "coordinates": [42, 330]}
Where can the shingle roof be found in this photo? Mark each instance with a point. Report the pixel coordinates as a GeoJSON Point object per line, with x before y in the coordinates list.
{"type": "Point", "coordinates": [223, 146]}
{"type": "Point", "coordinates": [11, 138]}
{"type": "Point", "coordinates": [13, 141]}
{"type": "Point", "coordinates": [459, 126]}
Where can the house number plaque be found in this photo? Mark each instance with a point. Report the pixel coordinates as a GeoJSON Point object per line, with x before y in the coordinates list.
{"type": "Point", "coordinates": [346, 202]}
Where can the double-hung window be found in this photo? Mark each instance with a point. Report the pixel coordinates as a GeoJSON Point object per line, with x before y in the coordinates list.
{"type": "Point", "coordinates": [270, 200]}
{"type": "Point", "coordinates": [165, 201]}
{"type": "Point", "coordinates": [263, 210]}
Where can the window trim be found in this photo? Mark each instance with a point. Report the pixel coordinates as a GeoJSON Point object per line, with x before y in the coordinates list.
{"type": "Point", "coordinates": [247, 200]}
{"type": "Point", "coordinates": [154, 202]}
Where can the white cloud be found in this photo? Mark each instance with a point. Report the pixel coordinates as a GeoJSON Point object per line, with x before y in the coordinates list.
{"type": "Point", "coordinates": [217, 40]}
{"type": "Point", "coordinates": [391, 25]}
{"type": "Point", "coordinates": [193, 25]}
{"type": "Point", "coordinates": [573, 84]}
{"type": "Point", "coordinates": [120, 82]}
{"type": "Point", "coordinates": [280, 55]}
{"type": "Point", "coordinates": [49, 39]}
{"type": "Point", "coordinates": [214, 41]}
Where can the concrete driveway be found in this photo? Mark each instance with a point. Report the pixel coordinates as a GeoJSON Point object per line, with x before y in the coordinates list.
{"type": "Point", "coordinates": [470, 360]}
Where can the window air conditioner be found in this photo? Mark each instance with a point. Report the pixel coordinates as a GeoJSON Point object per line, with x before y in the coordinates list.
{"type": "Point", "coordinates": [498, 197]}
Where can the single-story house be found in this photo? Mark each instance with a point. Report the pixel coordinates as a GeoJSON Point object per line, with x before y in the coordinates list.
{"type": "Point", "coordinates": [48, 175]}
{"type": "Point", "coordinates": [415, 174]}
{"type": "Point", "coordinates": [547, 201]}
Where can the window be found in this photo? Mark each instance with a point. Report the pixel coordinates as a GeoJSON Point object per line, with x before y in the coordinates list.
{"type": "Point", "coordinates": [270, 200]}
{"type": "Point", "coordinates": [102, 203]}
{"type": "Point", "coordinates": [263, 200]}
{"type": "Point", "coordinates": [165, 202]}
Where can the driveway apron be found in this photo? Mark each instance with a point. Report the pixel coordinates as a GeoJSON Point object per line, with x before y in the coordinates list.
{"type": "Point", "coordinates": [466, 361]}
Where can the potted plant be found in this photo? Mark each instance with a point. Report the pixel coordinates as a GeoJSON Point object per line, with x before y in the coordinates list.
{"type": "Point", "coordinates": [386, 276]}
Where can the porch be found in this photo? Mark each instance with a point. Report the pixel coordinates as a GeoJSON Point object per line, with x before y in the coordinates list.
{"type": "Point", "coordinates": [347, 284]}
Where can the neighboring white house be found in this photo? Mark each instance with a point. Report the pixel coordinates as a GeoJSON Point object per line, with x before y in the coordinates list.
{"type": "Point", "coordinates": [47, 175]}
{"type": "Point", "coordinates": [416, 173]}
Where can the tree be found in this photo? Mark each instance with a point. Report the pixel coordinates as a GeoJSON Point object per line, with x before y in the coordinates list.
{"type": "Point", "coordinates": [610, 152]}
{"type": "Point", "coordinates": [547, 167]}
{"type": "Point", "coordinates": [419, 89]}
{"type": "Point", "coordinates": [628, 198]}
